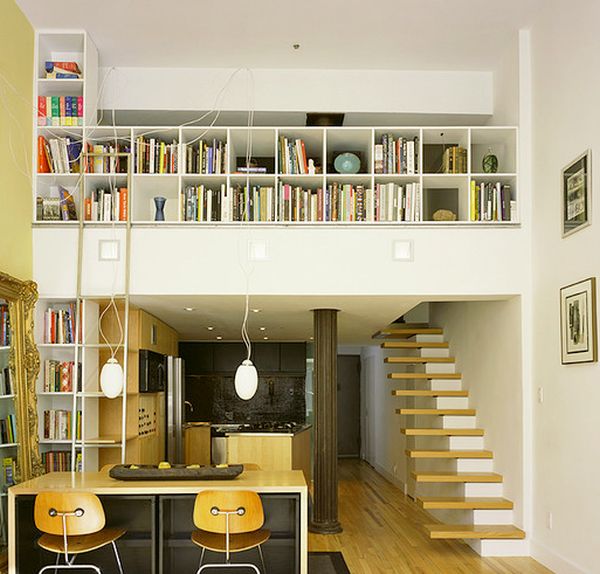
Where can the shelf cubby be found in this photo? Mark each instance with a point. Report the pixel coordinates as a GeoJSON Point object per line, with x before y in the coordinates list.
{"type": "Point", "coordinates": [260, 142]}
{"type": "Point", "coordinates": [354, 140]}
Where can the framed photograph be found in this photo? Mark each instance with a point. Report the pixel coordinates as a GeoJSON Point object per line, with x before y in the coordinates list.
{"type": "Point", "coordinates": [578, 322]}
{"type": "Point", "coordinates": [576, 194]}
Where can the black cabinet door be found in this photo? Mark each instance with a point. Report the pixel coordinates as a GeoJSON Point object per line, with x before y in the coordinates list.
{"type": "Point", "coordinates": [292, 357]}
{"type": "Point", "coordinates": [228, 357]}
{"type": "Point", "coordinates": [198, 357]}
{"type": "Point", "coordinates": [266, 357]}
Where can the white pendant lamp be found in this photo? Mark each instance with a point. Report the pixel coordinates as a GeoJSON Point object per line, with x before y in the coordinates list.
{"type": "Point", "coordinates": [246, 380]}
{"type": "Point", "coordinates": [111, 378]}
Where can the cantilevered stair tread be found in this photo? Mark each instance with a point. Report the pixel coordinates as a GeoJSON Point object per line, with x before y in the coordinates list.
{"type": "Point", "coordinates": [427, 393]}
{"type": "Point", "coordinates": [452, 376]}
{"type": "Point", "coordinates": [474, 531]}
{"type": "Point", "coordinates": [414, 345]}
{"type": "Point", "coordinates": [439, 412]}
{"type": "Point", "coordinates": [418, 360]}
{"type": "Point", "coordinates": [463, 503]}
{"type": "Point", "coordinates": [449, 453]}
{"type": "Point", "coordinates": [456, 477]}
{"type": "Point", "coordinates": [442, 432]}
{"type": "Point", "coordinates": [405, 332]}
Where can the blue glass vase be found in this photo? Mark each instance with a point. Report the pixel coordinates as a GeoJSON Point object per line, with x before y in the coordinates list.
{"type": "Point", "coordinates": [159, 203]}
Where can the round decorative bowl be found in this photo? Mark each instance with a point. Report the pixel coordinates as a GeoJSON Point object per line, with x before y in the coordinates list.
{"type": "Point", "coordinates": [347, 163]}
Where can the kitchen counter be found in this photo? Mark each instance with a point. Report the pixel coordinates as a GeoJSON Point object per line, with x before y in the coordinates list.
{"type": "Point", "coordinates": [294, 432]}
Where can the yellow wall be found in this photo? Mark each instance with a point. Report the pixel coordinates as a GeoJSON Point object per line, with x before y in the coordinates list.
{"type": "Point", "coordinates": [16, 68]}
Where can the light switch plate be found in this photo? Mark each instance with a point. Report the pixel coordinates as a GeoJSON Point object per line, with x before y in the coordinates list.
{"type": "Point", "coordinates": [109, 249]}
{"type": "Point", "coordinates": [403, 250]}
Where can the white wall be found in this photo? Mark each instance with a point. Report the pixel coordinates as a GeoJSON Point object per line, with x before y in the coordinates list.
{"type": "Point", "coordinates": [566, 73]}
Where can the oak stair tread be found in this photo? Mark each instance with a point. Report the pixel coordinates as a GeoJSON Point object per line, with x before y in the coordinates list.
{"type": "Point", "coordinates": [441, 432]}
{"type": "Point", "coordinates": [440, 412]}
{"type": "Point", "coordinates": [414, 345]}
{"type": "Point", "coordinates": [418, 360]}
{"type": "Point", "coordinates": [427, 393]}
{"type": "Point", "coordinates": [449, 453]}
{"type": "Point", "coordinates": [474, 531]}
{"type": "Point", "coordinates": [405, 332]}
{"type": "Point", "coordinates": [453, 376]}
{"type": "Point", "coordinates": [456, 477]}
{"type": "Point", "coordinates": [464, 503]}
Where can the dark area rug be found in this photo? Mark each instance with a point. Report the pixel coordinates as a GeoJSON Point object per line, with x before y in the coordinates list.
{"type": "Point", "coordinates": [327, 563]}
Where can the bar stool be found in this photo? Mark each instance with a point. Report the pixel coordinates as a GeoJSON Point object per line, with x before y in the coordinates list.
{"type": "Point", "coordinates": [73, 523]}
{"type": "Point", "coordinates": [229, 521]}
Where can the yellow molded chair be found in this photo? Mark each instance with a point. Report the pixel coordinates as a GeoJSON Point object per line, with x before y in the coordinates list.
{"type": "Point", "coordinates": [73, 523]}
{"type": "Point", "coordinates": [229, 521]}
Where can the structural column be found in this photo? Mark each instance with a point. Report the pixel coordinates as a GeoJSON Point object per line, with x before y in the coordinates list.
{"type": "Point", "coordinates": [325, 503]}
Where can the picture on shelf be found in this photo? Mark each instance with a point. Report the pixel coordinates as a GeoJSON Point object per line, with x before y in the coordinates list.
{"type": "Point", "coordinates": [576, 191]}
{"type": "Point", "coordinates": [578, 322]}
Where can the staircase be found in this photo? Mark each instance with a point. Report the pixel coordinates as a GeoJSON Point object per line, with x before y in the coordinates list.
{"type": "Point", "coordinates": [450, 473]}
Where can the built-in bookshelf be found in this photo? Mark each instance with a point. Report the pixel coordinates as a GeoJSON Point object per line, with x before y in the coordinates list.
{"type": "Point", "coordinates": [404, 175]}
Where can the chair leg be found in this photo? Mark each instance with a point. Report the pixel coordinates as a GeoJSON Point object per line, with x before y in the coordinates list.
{"type": "Point", "coordinates": [117, 557]}
{"type": "Point", "coordinates": [262, 559]}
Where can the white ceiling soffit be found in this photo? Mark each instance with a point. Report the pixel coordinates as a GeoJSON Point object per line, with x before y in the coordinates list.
{"type": "Point", "coordinates": [340, 34]}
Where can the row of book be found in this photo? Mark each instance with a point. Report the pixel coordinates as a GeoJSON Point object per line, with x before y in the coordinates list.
{"type": "Point", "coordinates": [4, 326]}
{"type": "Point", "coordinates": [292, 156]}
{"type": "Point", "coordinates": [107, 205]}
{"type": "Point", "coordinates": [59, 111]}
{"type": "Point", "coordinates": [454, 160]}
{"type": "Point", "coordinates": [59, 376]}
{"type": "Point", "coordinates": [205, 157]}
{"type": "Point", "coordinates": [59, 70]}
{"type": "Point", "coordinates": [57, 460]}
{"type": "Point", "coordinates": [9, 464]}
{"type": "Point", "coordinates": [491, 202]}
{"type": "Point", "coordinates": [99, 163]}
{"type": "Point", "coordinates": [153, 155]}
{"type": "Point", "coordinates": [397, 155]}
{"type": "Point", "coordinates": [8, 429]}
{"type": "Point", "coordinates": [58, 425]}
{"type": "Point", "coordinates": [59, 324]}
{"type": "Point", "coordinates": [7, 386]}
{"type": "Point", "coordinates": [58, 155]}
{"type": "Point", "coordinates": [59, 207]}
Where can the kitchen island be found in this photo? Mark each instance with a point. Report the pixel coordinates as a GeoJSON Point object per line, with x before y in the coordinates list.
{"type": "Point", "coordinates": [158, 518]}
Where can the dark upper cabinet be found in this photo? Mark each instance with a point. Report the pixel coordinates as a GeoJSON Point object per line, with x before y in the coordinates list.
{"type": "Point", "coordinates": [228, 356]}
{"type": "Point", "coordinates": [266, 357]}
{"type": "Point", "coordinates": [198, 357]}
{"type": "Point", "coordinates": [292, 358]}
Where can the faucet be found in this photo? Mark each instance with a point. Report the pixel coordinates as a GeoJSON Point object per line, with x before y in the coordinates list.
{"type": "Point", "coordinates": [187, 403]}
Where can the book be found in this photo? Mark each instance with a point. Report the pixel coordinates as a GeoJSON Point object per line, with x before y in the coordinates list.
{"type": "Point", "coordinates": [67, 205]}
{"type": "Point", "coordinates": [62, 70]}
{"type": "Point", "coordinates": [8, 472]}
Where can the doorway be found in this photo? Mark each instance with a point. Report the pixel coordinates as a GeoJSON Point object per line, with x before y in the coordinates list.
{"type": "Point", "coordinates": [348, 405]}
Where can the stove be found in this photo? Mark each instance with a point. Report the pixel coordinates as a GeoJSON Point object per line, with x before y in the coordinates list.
{"type": "Point", "coordinates": [262, 427]}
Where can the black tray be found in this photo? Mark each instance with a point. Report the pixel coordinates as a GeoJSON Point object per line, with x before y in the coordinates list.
{"type": "Point", "coordinates": [176, 472]}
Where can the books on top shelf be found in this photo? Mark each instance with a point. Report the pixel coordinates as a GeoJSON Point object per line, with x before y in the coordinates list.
{"type": "Point", "coordinates": [6, 382]}
{"type": "Point", "coordinates": [62, 70]}
{"type": "Point", "coordinates": [57, 207]}
{"type": "Point", "coordinates": [60, 111]}
{"type": "Point", "coordinates": [155, 156]}
{"type": "Point", "coordinates": [60, 375]}
{"type": "Point", "coordinates": [8, 429]}
{"type": "Point", "coordinates": [205, 158]}
{"type": "Point", "coordinates": [108, 163]}
{"type": "Point", "coordinates": [491, 202]}
{"type": "Point", "coordinates": [107, 205]}
{"type": "Point", "coordinates": [57, 424]}
{"type": "Point", "coordinates": [59, 324]}
{"type": "Point", "coordinates": [454, 160]}
{"type": "Point", "coordinates": [292, 156]}
{"type": "Point", "coordinates": [58, 155]}
{"type": "Point", "coordinates": [397, 155]}
{"type": "Point", "coordinates": [57, 460]}
{"type": "Point", "coordinates": [4, 326]}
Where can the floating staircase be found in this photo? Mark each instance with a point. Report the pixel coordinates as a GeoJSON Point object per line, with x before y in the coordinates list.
{"type": "Point", "coordinates": [445, 447]}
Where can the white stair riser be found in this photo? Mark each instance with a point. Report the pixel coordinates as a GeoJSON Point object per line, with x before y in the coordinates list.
{"type": "Point", "coordinates": [440, 368]}
{"type": "Point", "coordinates": [452, 402]}
{"type": "Point", "coordinates": [484, 489]}
{"type": "Point", "coordinates": [429, 338]}
{"type": "Point", "coordinates": [500, 547]}
{"type": "Point", "coordinates": [493, 517]}
{"type": "Point", "coordinates": [458, 422]}
{"type": "Point", "coordinates": [475, 465]}
{"type": "Point", "coordinates": [446, 385]}
{"type": "Point", "coordinates": [435, 352]}
{"type": "Point", "coordinates": [466, 443]}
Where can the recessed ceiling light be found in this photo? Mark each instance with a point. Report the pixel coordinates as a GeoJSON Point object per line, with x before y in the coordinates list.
{"type": "Point", "coordinates": [189, 308]}
{"type": "Point", "coordinates": [219, 337]}
{"type": "Point", "coordinates": [266, 338]}
{"type": "Point", "coordinates": [263, 328]}
{"type": "Point", "coordinates": [256, 310]}
{"type": "Point", "coordinates": [210, 327]}
{"type": "Point", "coordinates": [296, 46]}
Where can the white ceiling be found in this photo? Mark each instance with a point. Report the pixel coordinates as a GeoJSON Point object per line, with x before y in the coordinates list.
{"type": "Point", "coordinates": [345, 34]}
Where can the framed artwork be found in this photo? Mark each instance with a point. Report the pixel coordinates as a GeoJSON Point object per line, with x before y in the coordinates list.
{"type": "Point", "coordinates": [578, 322]}
{"type": "Point", "coordinates": [576, 194]}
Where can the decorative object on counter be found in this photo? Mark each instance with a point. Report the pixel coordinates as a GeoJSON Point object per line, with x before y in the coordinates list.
{"type": "Point", "coordinates": [576, 190]}
{"type": "Point", "coordinates": [159, 203]}
{"type": "Point", "coordinates": [578, 322]}
{"type": "Point", "coordinates": [444, 215]}
{"type": "Point", "coordinates": [489, 163]}
{"type": "Point", "coordinates": [175, 472]}
{"type": "Point", "coordinates": [347, 162]}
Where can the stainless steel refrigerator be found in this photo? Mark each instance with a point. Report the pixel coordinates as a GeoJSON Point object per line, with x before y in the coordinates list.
{"type": "Point", "coordinates": [175, 409]}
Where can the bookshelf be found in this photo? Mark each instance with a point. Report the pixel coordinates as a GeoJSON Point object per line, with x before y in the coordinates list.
{"type": "Point", "coordinates": [428, 185]}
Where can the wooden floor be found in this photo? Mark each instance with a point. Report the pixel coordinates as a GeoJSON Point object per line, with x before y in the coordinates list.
{"type": "Point", "coordinates": [383, 533]}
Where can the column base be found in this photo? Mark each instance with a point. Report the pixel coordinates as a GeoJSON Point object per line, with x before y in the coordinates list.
{"type": "Point", "coordinates": [329, 527]}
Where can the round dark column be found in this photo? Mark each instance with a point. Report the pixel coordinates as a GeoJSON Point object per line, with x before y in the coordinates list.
{"type": "Point", "coordinates": [325, 503]}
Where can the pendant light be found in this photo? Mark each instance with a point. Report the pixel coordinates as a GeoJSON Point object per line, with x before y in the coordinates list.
{"type": "Point", "coordinates": [111, 378]}
{"type": "Point", "coordinates": [246, 375]}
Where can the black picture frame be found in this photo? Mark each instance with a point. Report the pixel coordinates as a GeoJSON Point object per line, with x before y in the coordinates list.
{"type": "Point", "coordinates": [576, 188]}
